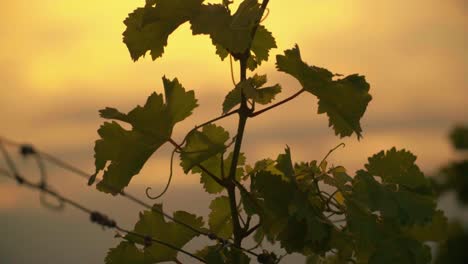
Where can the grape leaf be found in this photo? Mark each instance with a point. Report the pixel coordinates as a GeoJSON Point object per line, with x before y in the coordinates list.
{"type": "Point", "coordinates": [453, 250]}
{"type": "Point", "coordinates": [230, 32]}
{"type": "Point", "coordinates": [260, 51]}
{"type": "Point", "coordinates": [217, 255]}
{"type": "Point", "coordinates": [307, 227]}
{"type": "Point", "coordinates": [213, 165]}
{"type": "Point", "coordinates": [124, 253]}
{"type": "Point", "coordinates": [154, 225]}
{"type": "Point", "coordinates": [262, 44]}
{"type": "Point", "coordinates": [202, 145]}
{"type": "Point", "coordinates": [379, 241]}
{"type": "Point", "coordinates": [149, 27]}
{"type": "Point", "coordinates": [252, 90]}
{"type": "Point", "coordinates": [211, 254]}
{"type": "Point", "coordinates": [220, 220]}
{"type": "Point", "coordinates": [456, 179]}
{"type": "Point", "coordinates": [436, 230]}
{"type": "Point", "coordinates": [401, 250]}
{"type": "Point", "coordinates": [126, 150]}
{"type": "Point", "coordinates": [363, 225]}
{"type": "Point", "coordinates": [339, 179]}
{"type": "Point", "coordinates": [404, 206]}
{"type": "Point", "coordinates": [344, 100]}
{"type": "Point", "coordinates": [232, 99]}
{"type": "Point", "coordinates": [397, 167]}
{"type": "Point", "coordinates": [266, 165]}
{"type": "Point", "coordinates": [289, 213]}
{"type": "Point", "coordinates": [459, 137]}
{"type": "Point", "coordinates": [152, 125]}
{"type": "Point", "coordinates": [180, 104]}
{"type": "Point", "coordinates": [275, 208]}
{"type": "Point", "coordinates": [285, 165]}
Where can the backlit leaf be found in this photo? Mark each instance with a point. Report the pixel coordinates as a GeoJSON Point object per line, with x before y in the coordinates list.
{"type": "Point", "coordinates": [259, 52]}
{"type": "Point", "coordinates": [232, 99]}
{"type": "Point", "coordinates": [124, 253]}
{"type": "Point", "coordinates": [459, 137]}
{"type": "Point", "coordinates": [284, 163]}
{"type": "Point", "coordinates": [401, 250]}
{"type": "Point", "coordinates": [154, 225]}
{"type": "Point", "coordinates": [262, 44]}
{"type": "Point", "coordinates": [202, 145]}
{"type": "Point", "coordinates": [149, 27]}
{"type": "Point", "coordinates": [397, 167]}
{"type": "Point", "coordinates": [213, 165]}
{"type": "Point", "coordinates": [128, 150]}
{"type": "Point", "coordinates": [405, 206]}
{"type": "Point", "coordinates": [252, 89]}
{"type": "Point", "coordinates": [436, 230]}
{"type": "Point", "coordinates": [344, 100]}
{"type": "Point", "coordinates": [220, 220]}
{"type": "Point", "coordinates": [231, 32]}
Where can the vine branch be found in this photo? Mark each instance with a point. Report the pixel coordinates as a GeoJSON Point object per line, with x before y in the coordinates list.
{"type": "Point", "coordinates": [209, 173]}
{"type": "Point", "coordinates": [259, 112]}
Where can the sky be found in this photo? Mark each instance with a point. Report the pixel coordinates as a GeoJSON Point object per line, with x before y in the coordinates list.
{"type": "Point", "coordinates": [62, 61]}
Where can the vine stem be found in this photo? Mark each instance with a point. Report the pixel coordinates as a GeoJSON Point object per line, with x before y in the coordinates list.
{"type": "Point", "coordinates": [244, 113]}
{"type": "Point", "coordinates": [259, 112]}
{"type": "Point", "coordinates": [209, 173]}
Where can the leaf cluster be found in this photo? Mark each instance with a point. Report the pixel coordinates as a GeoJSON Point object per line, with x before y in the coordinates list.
{"type": "Point", "coordinates": [380, 214]}
{"type": "Point", "coordinates": [454, 176]}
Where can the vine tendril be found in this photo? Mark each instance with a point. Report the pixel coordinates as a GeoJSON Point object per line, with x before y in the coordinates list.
{"type": "Point", "coordinates": [148, 189]}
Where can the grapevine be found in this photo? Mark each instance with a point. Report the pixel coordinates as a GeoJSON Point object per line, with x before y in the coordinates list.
{"type": "Point", "coordinates": [380, 214]}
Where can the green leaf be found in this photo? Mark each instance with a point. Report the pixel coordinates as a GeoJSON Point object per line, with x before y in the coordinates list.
{"type": "Point", "coordinates": [154, 225]}
{"type": "Point", "coordinates": [262, 44]}
{"type": "Point", "coordinates": [307, 227]}
{"type": "Point", "coordinates": [285, 165]}
{"type": "Point", "coordinates": [125, 253]}
{"type": "Point", "coordinates": [404, 206]}
{"type": "Point", "coordinates": [343, 100]}
{"type": "Point", "coordinates": [339, 179]}
{"type": "Point", "coordinates": [217, 255]}
{"type": "Point", "coordinates": [213, 165]}
{"type": "Point", "coordinates": [112, 113]}
{"type": "Point", "coordinates": [211, 254]}
{"type": "Point", "coordinates": [401, 250]}
{"type": "Point", "coordinates": [251, 89]}
{"type": "Point", "coordinates": [275, 208]}
{"type": "Point", "coordinates": [232, 99]}
{"type": "Point", "coordinates": [364, 227]}
{"type": "Point", "coordinates": [456, 179]}
{"type": "Point", "coordinates": [436, 230]}
{"type": "Point", "coordinates": [249, 202]}
{"type": "Point", "coordinates": [180, 104]}
{"type": "Point", "coordinates": [127, 152]}
{"type": "Point", "coordinates": [149, 27]}
{"type": "Point", "coordinates": [267, 165]}
{"type": "Point", "coordinates": [231, 32]}
{"type": "Point", "coordinates": [202, 145]}
{"type": "Point", "coordinates": [397, 167]}
{"type": "Point", "coordinates": [459, 137]}
{"type": "Point", "coordinates": [453, 250]}
{"type": "Point", "coordinates": [152, 125]}
{"type": "Point", "coordinates": [220, 220]}
{"type": "Point", "coordinates": [288, 214]}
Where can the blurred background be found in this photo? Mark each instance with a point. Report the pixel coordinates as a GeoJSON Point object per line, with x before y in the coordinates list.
{"type": "Point", "coordinates": [62, 61]}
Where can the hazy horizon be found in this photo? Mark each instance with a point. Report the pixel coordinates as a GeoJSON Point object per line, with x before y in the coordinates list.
{"type": "Point", "coordinates": [61, 61]}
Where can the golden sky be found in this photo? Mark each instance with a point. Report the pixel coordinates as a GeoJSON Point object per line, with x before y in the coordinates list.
{"type": "Point", "coordinates": [61, 61]}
